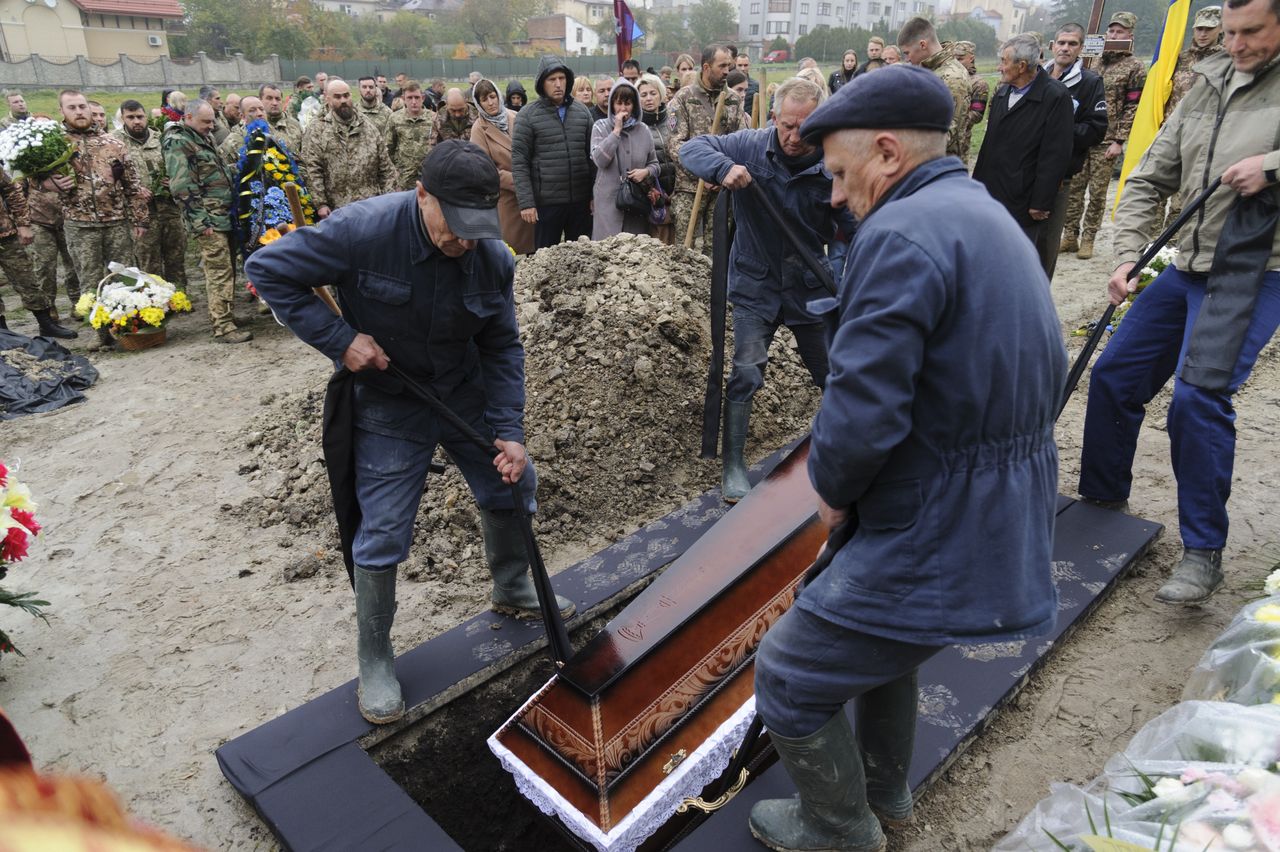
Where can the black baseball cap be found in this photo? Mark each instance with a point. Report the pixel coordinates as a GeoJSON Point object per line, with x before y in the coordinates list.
{"type": "Point", "coordinates": [465, 181]}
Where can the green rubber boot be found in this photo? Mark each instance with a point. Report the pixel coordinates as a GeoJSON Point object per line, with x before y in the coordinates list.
{"type": "Point", "coordinates": [831, 813]}
{"type": "Point", "coordinates": [734, 484]}
{"type": "Point", "coordinates": [513, 591]}
{"type": "Point", "coordinates": [886, 734]}
{"type": "Point", "coordinates": [379, 691]}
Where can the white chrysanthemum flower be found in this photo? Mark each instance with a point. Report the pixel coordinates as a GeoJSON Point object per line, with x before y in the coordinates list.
{"type": "Point", "coordinates": [1171, 791]}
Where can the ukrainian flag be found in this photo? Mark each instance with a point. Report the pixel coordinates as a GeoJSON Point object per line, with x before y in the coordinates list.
{"type": "Point", "coordinates": [1155, 94]}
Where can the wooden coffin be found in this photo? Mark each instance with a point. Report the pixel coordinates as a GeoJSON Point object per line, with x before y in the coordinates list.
{"type": "Point", "coordinates": [670, 670]}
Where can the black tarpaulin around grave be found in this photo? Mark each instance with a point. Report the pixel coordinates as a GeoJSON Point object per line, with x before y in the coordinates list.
{"type": "Point", "coordinates": [61, 384]}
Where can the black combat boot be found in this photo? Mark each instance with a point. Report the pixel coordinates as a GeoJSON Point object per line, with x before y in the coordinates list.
{"type": "Point", "coordinates": [49, 326]}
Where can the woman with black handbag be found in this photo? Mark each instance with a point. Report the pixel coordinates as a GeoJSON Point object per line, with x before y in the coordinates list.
{"type": "Point", "coordinates": [626, 166]}
{"type": "Point", "coordinates": [653, 111]}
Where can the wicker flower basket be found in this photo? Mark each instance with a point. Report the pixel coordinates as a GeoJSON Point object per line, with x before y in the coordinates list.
{"type": "Point", "coordinates": [144, 339]}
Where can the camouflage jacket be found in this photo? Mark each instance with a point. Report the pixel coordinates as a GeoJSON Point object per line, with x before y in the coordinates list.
{"type": "Point", "coordinates": [13, 207]}
{"type": "Point", "coordinates": [1123, 76]}
{"type": "Point", "coordinates": [345, 162]}
{"type": "Point", "coordinates": [446, 127]}
{"type": "Point", "coordinates": [956, 76]}
{"type": "Point", "coordinates": [221, 127]}
{"type": "Point", "coordinates": [148, 159]}
{"type": "Point", "coordinates": [408, 141]}
{"type": "Point", "coordinates": [285, 128]}
{"type": "Point", "coordinates": [979, 94]}
{"type": "Point", "coordinates": [107, 182]}
{"type": "Point", "coordinates": [44, 206]}
{"type": "Point", "coordinates": [694, 108]}
{"type": "Point", "coordinates": [199, 179]}
{"type": "Point", "coordinates": [9, 119]}
{"type": "Point", "coordinates": [379, 114]}
{"type": "Point", "coordinates": [1183, 76]}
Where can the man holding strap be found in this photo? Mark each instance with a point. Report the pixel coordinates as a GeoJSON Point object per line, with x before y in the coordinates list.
{"type": "Point", "coordinates": [425, 282]}
{"type": "Point", "coordinates": [1228, 125]}
{"type": "Point", "coordinates": [936, 442]}
{"type": "Point", "coordinates": [769, 284]}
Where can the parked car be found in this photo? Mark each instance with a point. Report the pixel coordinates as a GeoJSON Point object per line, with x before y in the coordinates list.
{"type": "Point", "coordinates": [777, 56]}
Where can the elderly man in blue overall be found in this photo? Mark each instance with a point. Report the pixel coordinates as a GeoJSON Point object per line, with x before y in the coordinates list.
{"type": "Point", "coordinates": [934, 439]}
{"type": "Point", "coordinates": [424, 282]}
{"type": "Point", "coordinates": [769, 285]}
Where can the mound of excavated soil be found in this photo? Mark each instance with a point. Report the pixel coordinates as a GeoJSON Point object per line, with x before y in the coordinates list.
{"type": "Point", "coordinates": [617, 340]}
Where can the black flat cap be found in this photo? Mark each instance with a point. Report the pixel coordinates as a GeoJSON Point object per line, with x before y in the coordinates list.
{"type": "Point", "coordinates": [465, 182]}
{"type": "Point", "coordinates": [900, 97]}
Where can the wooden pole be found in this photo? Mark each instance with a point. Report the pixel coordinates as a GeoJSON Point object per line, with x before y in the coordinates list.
{"type": "Point", "coordinates": [702, 185]}
{"type": "Point", "coordinates": [300, 221]}
{"type": "Point", "coordinates": [755, 107]}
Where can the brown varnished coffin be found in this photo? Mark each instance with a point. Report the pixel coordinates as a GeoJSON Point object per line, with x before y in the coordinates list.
{"type": "Point", "coordinates": [678, 661]}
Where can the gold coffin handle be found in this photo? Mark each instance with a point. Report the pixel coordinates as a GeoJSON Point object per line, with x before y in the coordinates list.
{"type": "Point", "coordinates": [711, 807]}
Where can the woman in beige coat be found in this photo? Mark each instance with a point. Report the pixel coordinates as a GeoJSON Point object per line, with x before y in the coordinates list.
{"type": "Point", "coordinates": [492, 132]}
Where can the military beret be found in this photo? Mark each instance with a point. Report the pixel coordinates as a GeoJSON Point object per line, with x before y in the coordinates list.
{"type": "Point", "coordinates": [899, 97]}
{"type": "Point", "coordinates": [1128, 20]}
{"type": "Point", "coordinates": [1209, 16]}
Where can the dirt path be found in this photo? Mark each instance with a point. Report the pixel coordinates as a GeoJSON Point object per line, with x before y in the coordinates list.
{"type": "Point", "coordinates": [174, 630]}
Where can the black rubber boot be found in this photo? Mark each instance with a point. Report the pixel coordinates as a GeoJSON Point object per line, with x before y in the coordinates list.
{"type": "Point", "coordinates": [379, 691]}
{"type": "Point", "coordinates": [831, 812]}
{"type": "Point", "coordinates": [3, 325]}
{"type": "Point", "coordinates": [734, 484]}
{"type": "Point", "coordinates": [513, 591]}
{"type": "Point", "coordinates": [886, 733]}
{"type": "Point", "coordinates": [49, 326]}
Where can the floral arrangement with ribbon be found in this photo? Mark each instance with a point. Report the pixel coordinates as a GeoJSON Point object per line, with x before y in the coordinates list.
{"type": "Point", "coordinates": [1163, 258]}
{"type": "Point", "coordinates": [36, 147]}
{"type": "Point", "coordinates": [18, 526]}
{"type": "Point", "coordinates": [265, 167]}
{"type": "Point", "coordinates": [129, 300]}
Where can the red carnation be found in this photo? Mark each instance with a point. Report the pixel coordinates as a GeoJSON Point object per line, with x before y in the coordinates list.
{"type": "Point", "coordinates": [4, 475]}
{"type": "Point", "coordinates": [27, 519]}
{"type": "Point", "coordinates": [14, 546]}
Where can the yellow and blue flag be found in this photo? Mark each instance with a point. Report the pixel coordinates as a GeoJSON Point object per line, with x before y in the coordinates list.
{"type": "Point", "coordinates": [1159, 85]}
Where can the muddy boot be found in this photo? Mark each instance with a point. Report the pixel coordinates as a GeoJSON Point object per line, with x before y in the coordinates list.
{"type": "Point", "coordinates": [1196, 578]}
{"type": "Point", "coordinates": [831, 811]}
{"type": "Point", "coordinates": [379, 691]}
{"type": "Point", "coordinates": [513, 590]}
{"type": "Point", "coordinates": [49, 326]}
{"type": "Point", "coordinates": [1069, 244]}
{"type": "Point", "coordinates": [1121, 506]}
{"type": "Point", "coordinates": [1086, 247]}
{"type": "Point", "coordinates": [734, 484]}
{"type": "Point", "coordinates": [886, 733]}
{"type": "Point", "coordinates": [235, 335]}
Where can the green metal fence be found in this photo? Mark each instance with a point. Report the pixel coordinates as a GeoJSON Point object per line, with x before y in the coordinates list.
{"type": "Point", "coordinates": [495, 68]}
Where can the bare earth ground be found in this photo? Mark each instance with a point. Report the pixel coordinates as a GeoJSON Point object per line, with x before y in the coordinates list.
{"type": "Point", "coordinates": [174, 630]}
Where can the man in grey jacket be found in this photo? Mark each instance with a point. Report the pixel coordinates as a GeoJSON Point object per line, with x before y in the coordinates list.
{"type": "Point", "coordinates": [550, 159]}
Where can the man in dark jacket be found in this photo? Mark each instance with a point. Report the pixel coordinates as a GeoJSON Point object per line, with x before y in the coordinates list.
{"type": "Point", "coordinates": [550, 158]}
{"type": "Point", "coordinates": [954, 514]}
{"type": "Point", "coordinates": [1027, 149]}
{"type": "Point", "coordinates": [1089, 129]}
{"type": "Point", "coordinates": [425, 283]}
{"type": "Point", "coordinates": [768, 283]}
{"type": "Point", "coordinates": [516, 96]}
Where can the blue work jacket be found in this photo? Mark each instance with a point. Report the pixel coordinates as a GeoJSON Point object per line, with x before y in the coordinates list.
{"type": "Point", "coordinates": [936, 424]}
{"type": "Point", "coordinates": [766, 276]}
{"type": "Point", "coordinates": [448, 323]}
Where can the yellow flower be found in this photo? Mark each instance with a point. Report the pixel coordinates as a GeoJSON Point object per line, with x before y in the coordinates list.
{"type": "Point", "coordinates": [179, 302]}
{"type": "Point", "coordinates": [18, 496]}
{"type": "Point", "coordinates": [100, 317]}
{"type": "Point", "coordinates": [85, 305]}
{"type": "Point", "coordinates": [152, 316]}
{"type": "Point", "coordinates": [269, 236]}
{"type": "Point", "coordinates": [1269, 614]}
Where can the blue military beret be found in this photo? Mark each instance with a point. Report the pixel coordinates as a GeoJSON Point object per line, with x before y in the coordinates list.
{"type": "Point", "coordinates": [899, 97]}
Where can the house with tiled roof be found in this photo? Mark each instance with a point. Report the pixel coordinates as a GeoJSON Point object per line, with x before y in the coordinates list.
{"type": "Point", "coordinates": [101, 30]}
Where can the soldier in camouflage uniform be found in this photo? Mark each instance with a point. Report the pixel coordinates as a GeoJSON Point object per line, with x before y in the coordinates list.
{"type": "Point", "coordinates": [50, 244]}
{"type": "Point", "coordinates": [101, 198]}
{"type": "Point", "coordinates": [1206, 41]}
{"type": "Point", "coordinates": [694, 109]}
{"type": "Point", "coordinates": [284, 127]}
{"type": "Point", "coordinates": [17, 109]}
{"type": "Point", "coordinates": [454, 120]}
{"type": "Point", "coordinates": [1123, 77]}
{"type": "Point", "coordinates": [409, 135]}
{"type": "Point", "coordinates": [201, 185]}
{"type": "Point", "coordinates": [15, 236]}
{"type": "Point", "coordinates": [918, 41]}
{"type": "Point", "coordinates": [979, 92]}
{"type": "Point", "coordinates": [371, 105]}
{"type": "Point", "coordinates": [253, 110]}
{"type": "Point", "coordinates": [345, 156]}
{"type": "Point", "coordinates": [163, 249]}
{"type": "Point", "coordinates": [211, 96]}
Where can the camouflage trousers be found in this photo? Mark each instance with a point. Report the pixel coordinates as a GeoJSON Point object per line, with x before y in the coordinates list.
{"type": "Point", "coordinates": [682, 212]}
{"type": "Point", "coordinates": [16, 264]}
{"type": "Point", "coordinates": [49, 246]}
{"type": "Point", "coordinates": [163, 248]}
{"type": "Point", "coordinates": [1095, 177]}
{"type": "Point", "coordinates": [219, 267]}
{"type": "Point", "coordinates": [92, 247]}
